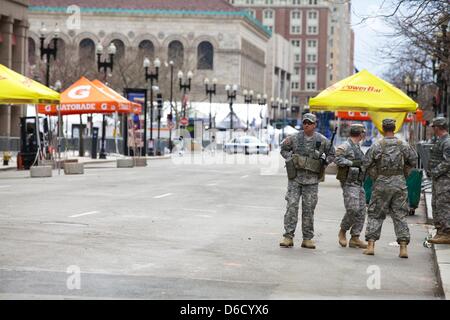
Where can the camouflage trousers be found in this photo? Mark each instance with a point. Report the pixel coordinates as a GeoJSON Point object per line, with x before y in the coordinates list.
{"type": "Point", "coordinates": [441, 204]}
{"type": "Point", "coordinates": [309, 202]}
{"type": "Point", "coordinates": [387, 199]}
{"type": "Point", "coordinates": [355, 207]}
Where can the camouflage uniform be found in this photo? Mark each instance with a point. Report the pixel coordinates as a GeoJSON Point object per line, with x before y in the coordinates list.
{"type": "Point", "coordinates": [390, 156]}
{"type": "Point", "coordinates": [439, 170]}
{"type": "Point", "coordinates": [353, 191]}
{"type": "Point", "coordinates": [305, 184]}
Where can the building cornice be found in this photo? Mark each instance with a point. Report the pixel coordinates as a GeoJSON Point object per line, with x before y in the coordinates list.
{"type": "Point", "coordinates": [240, 14]}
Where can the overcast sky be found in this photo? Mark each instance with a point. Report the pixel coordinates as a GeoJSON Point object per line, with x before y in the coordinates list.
{"type": "Point", "coordinates": [369, 35]}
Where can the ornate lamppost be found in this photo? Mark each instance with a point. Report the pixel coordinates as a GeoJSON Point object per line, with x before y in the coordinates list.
{"type": "Point", "coordinates": [231, 96]}
{"type": "Point", "coordinates": [262, 101]}
{"type": "Point", "coordinates": [104, 65]}
{"type": "Point", "coordinates": [152, 76]}
{"type": "Point", "coordinates": [210, 92]}
{"type": "Point", "coordinates": [248, 98]}
{"type": "Point", "coordinates": [185, 86]}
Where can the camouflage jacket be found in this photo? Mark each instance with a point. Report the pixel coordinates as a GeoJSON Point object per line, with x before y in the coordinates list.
{"type": "Point", "coordinates": [390, 157]}
{"type": "Point", "coordinates": [439, 164]}
{"type": "Point", "coordinates": [345, 154]}
{"type": "Point", "coordinates": [299, 144]}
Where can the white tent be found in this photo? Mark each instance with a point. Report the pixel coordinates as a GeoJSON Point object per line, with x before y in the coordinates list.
{"type": "Point", "coordinates": [288, 130]}
{"type": "Point", "coordinates": [225, 123]}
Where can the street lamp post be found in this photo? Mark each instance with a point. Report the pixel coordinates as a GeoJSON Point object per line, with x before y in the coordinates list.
{"type": "Point", "coordinates": [210, 92]}
{"type": "Point", "coordinates": [284, 106]}
{"type": "Point", "coordinates": [262, 102]}
{"type": "Point", "coordinates": [152, 76]}
{"type": "Point", "coordinates": [48, 51]}
{"type": "Point", "coordinates": [185, 86]}
{"type": "Point", "coordinates": [104, 65]}
{"type": "Point", "coordinates": [274, 106]}
{"type": "Point", "coordinates": [412, 87]}
{"type": "Point", "coordinates": [248, 98]}
{"type": "Point", "coordinates": [159, 101]}
{"type": "Point", "coordinates": [170, 116]}
{"type": "Point", "coordinates": [231, 95]}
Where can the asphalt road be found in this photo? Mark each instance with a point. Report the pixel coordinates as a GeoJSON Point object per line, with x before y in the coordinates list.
{"type": "Point", "coordinates": [190, 230]}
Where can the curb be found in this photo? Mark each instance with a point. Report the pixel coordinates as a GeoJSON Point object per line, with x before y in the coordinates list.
{"type": "Point", "coordinates": [442, 268]}
{"type": "Point", "coordinates": [11, 168]}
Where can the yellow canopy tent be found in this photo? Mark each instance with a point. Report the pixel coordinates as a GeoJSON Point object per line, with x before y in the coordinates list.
{"type": "Point", "coordinates": [365, 92]}
{"type": "Point", "coordinates": [18, 89]}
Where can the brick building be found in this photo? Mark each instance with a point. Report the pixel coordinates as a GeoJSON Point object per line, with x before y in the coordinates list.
{"type": "Point", "coordinates": [321, 37]}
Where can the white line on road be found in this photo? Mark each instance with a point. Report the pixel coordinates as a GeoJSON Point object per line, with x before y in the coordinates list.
{"type": "Point", "coordinates": [5, 187]}
{"type": "Point", "coordinates": [243, 177]}
{"type": "Point", "coordinates": [83, 214]}
{"type": "Point", "coordinates": [162, 196]}
{"type": "Point", "coordinates": [200, 210]}
{"type": "Point", "coordinates": [203, 216]}
{"type": "Point", "coordinates": [211, 184]}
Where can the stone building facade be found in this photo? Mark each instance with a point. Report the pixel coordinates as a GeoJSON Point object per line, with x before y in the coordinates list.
{"type": "Point", "coordinates": [13, 48]}
{"type": "Point", "coordinates": [211, 38]}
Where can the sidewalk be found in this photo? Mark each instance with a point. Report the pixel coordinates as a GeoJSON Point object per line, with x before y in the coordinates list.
{"type": "Point", "coordinates": [86, 160]}
{"type": "Point", "coordinates": [441, 253]}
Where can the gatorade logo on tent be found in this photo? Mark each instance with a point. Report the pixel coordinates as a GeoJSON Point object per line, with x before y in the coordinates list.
{"type": "Point", "coordinates": [80, 92]}
{"type": "Point", "coordinates": [48, 108]}
{"type": "Point", "coordinates": [104, 106]}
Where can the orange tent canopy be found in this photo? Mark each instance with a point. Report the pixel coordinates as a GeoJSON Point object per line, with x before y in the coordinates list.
{"type": "Point", "coordinates": [126, 106]}
{"type": "Point", "coordinates": [85, 97]}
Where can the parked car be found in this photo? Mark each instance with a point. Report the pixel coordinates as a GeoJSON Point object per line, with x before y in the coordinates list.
{"type": "Point", "coordinates": [247, 145]}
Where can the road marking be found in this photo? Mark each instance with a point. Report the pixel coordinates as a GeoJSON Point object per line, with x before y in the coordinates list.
{"type": "Point", "coordinates": [243, 177]}
{"type": "Point", "coordinates": [203, 216]}
{"type": "Point", "coordinates": [162, 196]}
{"type": "Point", "coordinates": [200, 210]}
{"type": "Point", "coordinates": [5, 187]}
{"type": "Point", "coordinates": [211, 184]}
{"type": "Point", "coordinates": [255, 207]}
{"type": "Point", "coordinates": [83, 214]}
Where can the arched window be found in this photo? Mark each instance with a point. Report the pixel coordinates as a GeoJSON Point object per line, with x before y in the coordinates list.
{"type": "Point", "coordinates": [146, 49]}
{"type": "Point", "coordinates": [31, 52]}
{"type": "Point", "coordinates": [61, 50]}
{"type": "Point", "coordinates": [205, 56]}
{"type": "Point", "coordinates": [176, 53]}
{"type": "Point", "coordinates": [86, 51]}
{"type": "Point", "coordinates": [120, 49]}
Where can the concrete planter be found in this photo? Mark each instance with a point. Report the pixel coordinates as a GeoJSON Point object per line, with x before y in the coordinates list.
{"type": "Point", "coordinates": [51, 163]}
{"type": "Point", "coordinates": [125, 163]}
{"type": "Point", "coordinates": [73, 168]}
{"type": "Point", "coordinates": [140, 162]}
{"type": "Point", "coordinates": [41, 172]}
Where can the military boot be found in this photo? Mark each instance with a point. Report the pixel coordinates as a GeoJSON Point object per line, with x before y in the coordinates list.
{"type": "Point", "coordinates": [355, 242]}
{"type": "Point", "coordinates": [342, 238]}
{"type": "Point", "coordinates": [309, 244]}
{"type": "Point", "coordinates": [442, 239]}
{"type": "Point", "coordinates": [370, 251]}
{"type": "Point", "coordinates": [287, 242]}
{"type": "Point", "coordinates": [438, 235]}
{"type": "Point", "coordinates": [403, 249]}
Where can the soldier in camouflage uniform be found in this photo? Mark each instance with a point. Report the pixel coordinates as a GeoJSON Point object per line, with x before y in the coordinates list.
{"type": "Point", "coordinates": [439, 171]}
{"type": "Point", "coordinates": [349, 161]}
{"type": "Point", "coordinates": [307, 149]}
{"type": "Point", "coordinates": [391, 157]}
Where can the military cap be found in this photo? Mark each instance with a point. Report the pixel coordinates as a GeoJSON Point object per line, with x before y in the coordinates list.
{"type": "Point", "coordinates": [388, 122]}
{"type": "Point", "coordinates": [357, 128]}
{"type": "Point", "coordinates": [310, 117]}
{"type": "Point", "coordinates": [439, 122]}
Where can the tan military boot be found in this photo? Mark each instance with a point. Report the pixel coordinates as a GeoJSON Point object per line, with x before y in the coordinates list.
{"type": "Point", "coordinates": [309, 244]}
{"type": "Point", "coordinates": [287, 243]}
{"type": "Point", "coordinates": [370, 251]}
{"type": "Point", "coordinates": [438, 235]}
{"type": "Point", "coordinates": [442, 239]}
{"type": "Point", "coordinates": [403, 249]}
{"type": "Point", "coordinates": [355, 242]}
{"type": "Point", "coordinates": [342, 238]}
